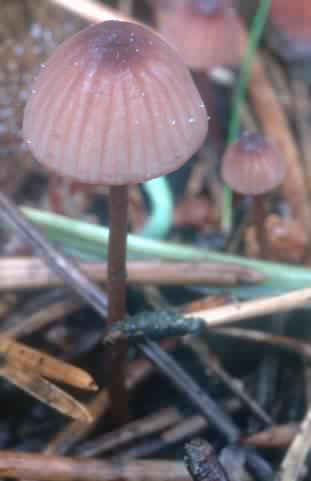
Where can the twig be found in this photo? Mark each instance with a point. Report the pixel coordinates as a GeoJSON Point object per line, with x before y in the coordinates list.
{"type": "Point", "coordinates": [38, 313]}
{"type": "Point", "coordinates": [32, 273]}
{"type": "Point", "coordinates": [301, 110]}
{"type": "Point", "coordinates": [294, 463]}
{"type": "Point", "coordinates": [47, 468]}
{"type": "Point", "coordinates": [211, 363]}
{"type": "Point", "coordinates": [275, 125]}
{"type": "Point", "coordinates": [201, 399]}
{"type": "Point", "coordinates": [93, 295]}
{"type": "Point", "coordinates": [58, 263]}
{"type": "Point", "coordinates": [34, 361]}
{"type": "Point", "coordinates": [278, 436]}
{"type": "Point", "coordinates": [186, 429]}
{"type": "Point", "coordinates": [280, 342]}
{"type": "Point", "coordinates": [268, 373]}
{"type": "Point", "coordinates": [74, 432]}
{"type": "Point", "coordinates": [91, 238]}
{"type": "Point", "coordinates": [131, 432]}
{"type": "Point", "coordinates": [277, 75]}
{"type": "Point", "coordinates": [91, 10]}
{"type": "Point", "coordinates": [239, 311]}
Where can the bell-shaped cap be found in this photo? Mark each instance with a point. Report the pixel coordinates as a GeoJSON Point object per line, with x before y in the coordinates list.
{"type": "Point", "coordinates": [290, 32]}
{"type": "Point", "coordinates": [253, 165]}
{"type": "Point", "coordinates": [114, 104]}
{"type": "Point", "coordinates": [206, 33]}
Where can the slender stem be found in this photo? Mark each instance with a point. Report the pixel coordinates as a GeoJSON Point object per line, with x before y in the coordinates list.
{"type": "Point", "coordinates": [259, 219]}
{"type": "Point", "coordinates": [116, 283]}
{"type": "Point", "coordinates": [116, 290]}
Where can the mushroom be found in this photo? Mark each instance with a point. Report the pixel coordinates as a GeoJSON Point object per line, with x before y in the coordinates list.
{"type": "Point", "coordinates": [114, 105]}
{"type": "Point", "coordinates": [290, 34]}
{"type": "Point", "coordinates": [254, 166]}
{"type": "Point", "coordinates": [206, 33]}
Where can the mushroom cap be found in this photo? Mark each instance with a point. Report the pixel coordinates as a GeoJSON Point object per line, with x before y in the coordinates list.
{"type": "Point", "coordinates": [114, 104]}
{"type": "Point", "coordinates": [253, 165]}
{"type": "Point", "coordinates": [290, 34]}
{"type": "Point", "coordinates": [205, 33]}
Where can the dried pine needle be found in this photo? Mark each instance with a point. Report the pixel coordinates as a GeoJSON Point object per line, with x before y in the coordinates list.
{"type": "Point", "coordinates": [25, 367]}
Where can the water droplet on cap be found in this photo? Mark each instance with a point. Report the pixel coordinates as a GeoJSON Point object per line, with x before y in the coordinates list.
{"type": "Point", "coordinates": [201, 105]}
{"type": "Point", "coordinates": [172, 121]}
{"type": "Point", "coordinates": [191, 120]}
{"type": "Point", "coordinates": [28, 141]}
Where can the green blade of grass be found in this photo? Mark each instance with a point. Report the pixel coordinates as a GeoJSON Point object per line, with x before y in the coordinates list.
{"type": "Point", "coordinates": [162, 206]}
{"type": "Point", "coordinates": [91, 239]}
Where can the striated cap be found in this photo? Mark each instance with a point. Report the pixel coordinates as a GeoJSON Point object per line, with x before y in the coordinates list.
{"type": "Point", "coordinates": [114, 105]}
{"type": "Point", "coordinates": [253, 165]}
{"type": "Point", "coordinates": [206, 33]}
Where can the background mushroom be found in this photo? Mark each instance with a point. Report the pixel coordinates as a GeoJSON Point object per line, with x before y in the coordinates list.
{"type": "Point", "coordinates": [254, 166]}
{"type": "Point", "coordinates": [114, 105]}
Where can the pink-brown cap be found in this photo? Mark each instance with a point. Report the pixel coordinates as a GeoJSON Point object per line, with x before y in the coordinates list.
{"type": "Point", "coordinates": [114, 105]}
{"type": "Point", "coordinates": [253, 165]}
{"type": "Point", "coordinates": [206, 33]}
{"type": "Point", "coordinates": [290, 32]}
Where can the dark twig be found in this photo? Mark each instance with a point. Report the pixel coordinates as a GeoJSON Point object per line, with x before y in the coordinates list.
{"type": "Point", "coordinates": [278, 436]}
{"type": "Point", "coordinates": [56, 261]}
{"type": "Point", "coordinates": [75, 432]}
{"type": "Point", "coordinates": [131, 432]}
{"type": "Point", "coordinates": [213, 365]}
{"type": "Point", "coordinates": [185, 430]}
{"type": "Point", "coordinates": [39, 312]}
{"type": "Point", "coordinates": [265, 338]}
{"type": "Point", "coordinates": [184, 383]}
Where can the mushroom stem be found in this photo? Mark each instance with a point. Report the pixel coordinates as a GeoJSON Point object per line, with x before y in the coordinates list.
{"type": "Point", "coordinates": [116, 283]}
{"type": "Point", "coordinates": [116, 289]}
{"type": "Point", "coordinates": [259, 208]}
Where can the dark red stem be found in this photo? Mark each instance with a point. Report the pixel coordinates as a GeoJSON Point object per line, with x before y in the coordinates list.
{"type": "Point", "coordinates": [116, 289]}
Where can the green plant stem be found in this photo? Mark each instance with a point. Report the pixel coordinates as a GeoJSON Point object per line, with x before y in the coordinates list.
{"type": "Point", "coordinates": [91, 239]}
{"type": "Point", "coordinates": [256, 32]}
{"type": "Point", "coordinates": [162, 206]}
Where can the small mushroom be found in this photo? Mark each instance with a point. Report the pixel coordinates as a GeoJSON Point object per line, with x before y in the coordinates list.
{"type": "Point", "coordinates": [290, 32]}
{"type": "Point", "coordinates": [114, 105]}
{"type": "Point", "coordinates": [254, 166]}
{"type": "Point", "coordinates": [206, 33]}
